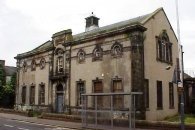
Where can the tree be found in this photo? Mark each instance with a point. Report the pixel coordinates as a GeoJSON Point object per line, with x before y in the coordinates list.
{"type": "Point", "coordinates": [2, 80]}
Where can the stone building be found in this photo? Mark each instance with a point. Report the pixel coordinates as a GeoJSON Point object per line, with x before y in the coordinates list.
{"type": "Point", "coordinates": [127, 56]}
{"type": "Point", "coordinates": [9, 71]}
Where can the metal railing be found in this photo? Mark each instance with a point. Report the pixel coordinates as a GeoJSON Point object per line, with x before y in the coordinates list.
{"type": "Point", "coordinates": [107, 115]}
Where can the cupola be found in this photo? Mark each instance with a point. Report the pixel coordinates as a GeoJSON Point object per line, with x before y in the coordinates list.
{"type": "Point", "coordinates": [91, 22]}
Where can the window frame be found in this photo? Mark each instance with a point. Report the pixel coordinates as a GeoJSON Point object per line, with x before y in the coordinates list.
{"type": "Point", "coordinates": [23, 95]}
{"type": "Point", "coordinates": [33, 65]}
{"type": "Point", "coordinates": [164, 48]}
{"type": "Point", "coordinates": [97, 50]}
{"type": "Point", "coordinates": [147, 93]}
{"type": "Point", "coordinates": [159, 96]}
{"type": "Point", "coordinates": [117, 97]}
{"type": "Point", "coordinates": [171, 96]}
{"type": "Point", "coordinates": [113, 50]}
{"type": "Point", "coordinates": [42, 94]}
{"type": "Point", "coordinates": [79, 92]}
{"type": "Point", "coordinates": [99, 98]}
{"type": "Point", "coordinates": [32, 95]}
{"type": "Point", "coordinates": [81, 56]}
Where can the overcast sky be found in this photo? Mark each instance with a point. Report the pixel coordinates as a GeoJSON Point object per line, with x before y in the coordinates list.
{"type": "Point", "coordinates": [25, 24]}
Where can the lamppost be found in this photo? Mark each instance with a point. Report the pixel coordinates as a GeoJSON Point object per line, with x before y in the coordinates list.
{"type": "Point", "coordinates": [180, 83]}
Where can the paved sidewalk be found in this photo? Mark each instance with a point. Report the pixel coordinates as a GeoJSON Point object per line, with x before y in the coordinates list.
{"type": "Point", "coordinates": [46, 122]}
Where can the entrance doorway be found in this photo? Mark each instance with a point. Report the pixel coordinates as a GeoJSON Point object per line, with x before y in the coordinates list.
{"type": "Point", "coordinates": [59, 98]}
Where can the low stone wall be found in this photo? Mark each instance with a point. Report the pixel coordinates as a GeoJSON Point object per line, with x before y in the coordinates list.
{"type": "Point", "coordinates": [61, 117]}
{"type": "Point", "coordinates": [12, 111]}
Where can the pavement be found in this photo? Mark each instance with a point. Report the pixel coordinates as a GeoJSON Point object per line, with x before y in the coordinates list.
{"type": "Point", "coordinates": [50, 123]}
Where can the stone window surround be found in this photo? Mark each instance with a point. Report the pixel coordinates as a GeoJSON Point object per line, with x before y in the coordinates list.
{"type": "Point", "coordinates": [30, 94]}
{"type": "Point", "coordinates": [42, 93]}
{"type": "Point", "coordinates": [116, 50]}
{"type": "Point", "coordinates": [164, 48]}
{"type": "Point", "coordinates": [42, 63]}
{"type": "Point", "coordinates": [78, 98]}
{"type": "Point", "coordinates": [23, 94]}
{"type": "Point", "coordinates": [159, 95]}
{"type": "Point", "coordinates": [97, 53]}
{"type": "Point", "coordinates": [33, 65]}
{"type": "Point", "coordinates": [81, 56]}
{"type": "Point", "coordinates": [116, 78]}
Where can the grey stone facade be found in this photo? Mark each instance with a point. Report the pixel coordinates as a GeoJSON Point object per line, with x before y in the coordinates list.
{"type": "Point", "coordinates": [113, 58]}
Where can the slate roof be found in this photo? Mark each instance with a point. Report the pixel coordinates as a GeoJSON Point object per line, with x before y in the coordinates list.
{"type": "Point", "coordinates": [42, 48]}
{"type": "Point", "coordinates": [134, 21]}
{"type": "Point", "coordinates": [10, 70]}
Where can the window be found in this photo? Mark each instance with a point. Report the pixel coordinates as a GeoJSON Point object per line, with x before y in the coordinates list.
{"type": "Point", "coordinates": [159, 95]}
{"type": "Point", "coordinates": [117, 99]}
{"type": "Point", "coordinates": [60, 64]}
{"type": "Point", "coordinates": [33, 65]}
{"type": "Point", "coordinates": [116, 49]}
{"type": "Point", "coordinates": [178, 70]}
{"type": "Point", "coordinates": [171, 95]}
{"type": "Point", "coordinates": [32, 95]}
{"type": "Point", "coordinates": [146, 93]}
{"type": "Point", "coordinates": [42, 63]}
{"type": "Point", "coordinates": [24, 66]}
{"type": "Point", "coordinates": [164, 48]}
{"type": "Point", "coordinates": [23, 94]}
{"type": "Point", "coordinates": [80, 90]}
{"type": "Point", "coordinates": [97, 53]}
{"type": "Point", "coordinates": [98, 88]}
{"type": "Point", "coordinates": [81, 56]}
{"type": "Point", "coordinates": [42, 94]}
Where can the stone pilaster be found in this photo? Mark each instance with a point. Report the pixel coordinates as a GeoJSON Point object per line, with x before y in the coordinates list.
{"type": "Point", "coordinates": [137, 73]}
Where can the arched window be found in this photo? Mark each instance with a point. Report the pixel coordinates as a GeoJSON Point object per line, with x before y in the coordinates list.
{"type": "Point", "coordinates": [59, 60]}
{"type": "Point", "coordinates": [116, 49]}
{"type": "Point", "coordinates": [81, 55]}
{"type": "Point", "coordinates": [33, 65]}
{"type": "Point", "coordinates": [42, 63]}
{"type": "Point", "coordinates": [164, 47]}
{"type": "Point", "coordinates": [97, 53]}
{"type": "Point", "coordinates": [60, 64]}
{"type": "Point", "coordinates": [24, 66]}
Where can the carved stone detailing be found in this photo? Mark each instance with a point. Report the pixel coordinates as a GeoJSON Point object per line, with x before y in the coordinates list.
{"type": "Point", "coordinates": [42, 63]}
{"type": "Point", "coordinates": [33, 65]}
{"type": "Point", "coordinates": [117, 49]}
{"type": "Point", "coordinates": [81, 56]}
{"type": "Point", "coordinates": [24, 66]}
{"type": "Point", "coordinates": [63, 37]}
{"type": "Point", "coordinates": [97, 53]}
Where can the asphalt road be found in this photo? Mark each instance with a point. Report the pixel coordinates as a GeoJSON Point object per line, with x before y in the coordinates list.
{"type": "Point", "coordinates": [8, 124]}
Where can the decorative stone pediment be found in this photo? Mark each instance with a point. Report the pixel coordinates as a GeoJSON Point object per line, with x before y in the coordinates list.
{"type": "Point", "coordinates": [63, 37]}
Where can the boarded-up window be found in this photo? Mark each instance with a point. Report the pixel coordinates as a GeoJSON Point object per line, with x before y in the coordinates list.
{"type": "Point", "coordinates": [32, 95]}
{"type": "Point", "coordinates": [117, 99]}
{"type": "Point", "coordinates": [159, 95]}
{"type": "Point", "coordinates": [98, 88]}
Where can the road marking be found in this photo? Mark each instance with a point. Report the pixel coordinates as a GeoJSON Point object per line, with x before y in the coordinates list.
{"type": "Point", "coordinates": [20, 128]}
{"type": "Point", "coordinates": [58, 128]}
{"type": "Point", "coordinates": [8, 125]}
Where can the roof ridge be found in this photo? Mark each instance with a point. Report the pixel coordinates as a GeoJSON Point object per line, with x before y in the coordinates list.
{"type": "Point", "coordinates": [41, 45]}
{"type": "Point", "coordinates": [152, 14]}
